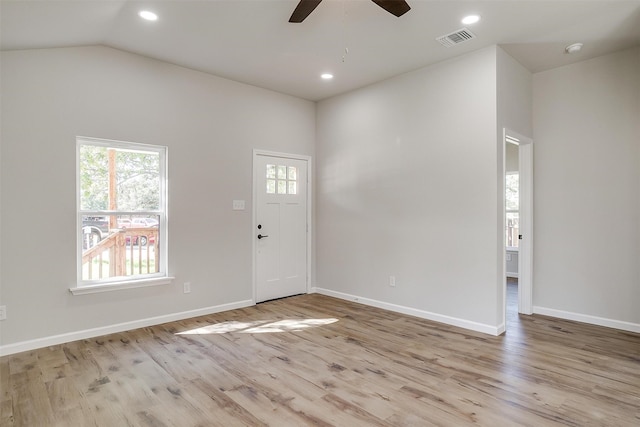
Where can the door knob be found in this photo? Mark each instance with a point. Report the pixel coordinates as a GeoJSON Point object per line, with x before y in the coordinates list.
{"type": "Point", "coordinates": [260, 236]}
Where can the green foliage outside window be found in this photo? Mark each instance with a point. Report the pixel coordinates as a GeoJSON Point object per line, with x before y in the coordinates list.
{"type": "Point", "coordinates": [137, 176]}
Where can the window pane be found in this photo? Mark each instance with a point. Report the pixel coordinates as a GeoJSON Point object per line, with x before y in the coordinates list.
{"type": "Point", "coordinates": [282, 172]}
{"type": "Point", "coordinates": [94, 178]}
{"type": "Point", "coordinates": [137, 180]}
{"type": "Point", "coordinates": [136, 175]}
{"type": "Point", "coordinates": [282, 187]}
{"type": "Point", "coordinates": [293, 187]}
{"type": "Point", "coordinates": [293, 173]}
{"type": "Point", "coordinates": [271, 186]}
{"type": "Point", "coordinates": [513, 228]}
{"type": "Point", "coordinates": [118, 246]}
{"type": "Point", "coordinates": [512, 185]}
{"type": "Point", "coordinates": [94, 229]}
{"type": "Point", "coordinates": [271, 171]}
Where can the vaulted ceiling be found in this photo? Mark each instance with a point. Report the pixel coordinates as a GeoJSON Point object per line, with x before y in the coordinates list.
{"type": "Point", "coordinates": [251, 41]}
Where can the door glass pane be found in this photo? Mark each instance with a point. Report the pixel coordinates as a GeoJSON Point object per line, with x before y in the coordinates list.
{"type": "Point", "coordinates": [271, 171]}
{"type": "Point", "coordinates": [293, 173]}
{"type": "Point", "coordinates": [282, 172]}
{"type": "Point", "coordinates": [292, 187]}
{"type": "Point", "coordinates": [271, 186]}
{"type": "Point", "coordinates": [282, 187]}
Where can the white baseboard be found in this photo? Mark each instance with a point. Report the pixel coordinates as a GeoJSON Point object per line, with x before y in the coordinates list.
{"type": "Point", "coordinates": [120, 327]}
{"type": "Point", "coordinates": [585, 318]}
{"type": "Point", "coordinates": [453, 321]}
{"type": "Point", "coordinates": [511, 274]}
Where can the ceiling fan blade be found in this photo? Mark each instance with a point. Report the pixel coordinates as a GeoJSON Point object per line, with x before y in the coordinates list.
{"type": "Point", "coordinates": [395, 7]}
{"type": "Point", "coordinates": [303, 9]}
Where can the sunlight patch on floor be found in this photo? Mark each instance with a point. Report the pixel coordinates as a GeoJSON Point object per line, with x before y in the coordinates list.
{"type": "Point", "coordinates": [260, 326]}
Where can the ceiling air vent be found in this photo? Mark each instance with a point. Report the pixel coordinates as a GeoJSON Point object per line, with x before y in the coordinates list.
{"type": "Point", "coordinates": [457, 37]}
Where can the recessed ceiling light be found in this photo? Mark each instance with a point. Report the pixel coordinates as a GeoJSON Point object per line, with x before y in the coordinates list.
{"type": "Point", "coordinates": [149, 16]}
{"type": "Point", "coordinates": [573, 48]}
{"type": "Point", "coordinates": [471, 19]}
{"type": "Point", "coordinates": [326, 76]}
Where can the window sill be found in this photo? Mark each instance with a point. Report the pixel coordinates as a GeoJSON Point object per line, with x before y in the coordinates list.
{"type": "Point", "coordinates": [129, 284]}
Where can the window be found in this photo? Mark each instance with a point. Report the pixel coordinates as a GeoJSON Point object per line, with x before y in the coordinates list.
{"type": "Point", "coordinates": [512, 185]}
{"type": "Point", "coordinates": [282, 179]}
{"type": "Point", "coordinates": [121, 212]}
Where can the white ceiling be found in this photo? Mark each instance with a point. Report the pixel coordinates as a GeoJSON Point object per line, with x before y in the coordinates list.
{"type": "Point", "coordinates": [251, 41]}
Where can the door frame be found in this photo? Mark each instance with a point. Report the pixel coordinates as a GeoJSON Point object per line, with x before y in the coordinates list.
{"type": "Point", "coordinates": [525, 246]}
{"type": "Point", "coordinates": [254, 219]}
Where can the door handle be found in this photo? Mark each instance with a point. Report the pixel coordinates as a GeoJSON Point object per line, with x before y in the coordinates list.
{"type": "Point", "coordinates": [260, 236]}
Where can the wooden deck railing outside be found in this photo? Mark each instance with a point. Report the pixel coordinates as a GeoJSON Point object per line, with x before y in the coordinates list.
{"type": "Point", "coordinates": [123, 253]}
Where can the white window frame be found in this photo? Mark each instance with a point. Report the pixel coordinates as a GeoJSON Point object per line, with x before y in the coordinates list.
{"type": "Point", "coordinates": [136, 281]}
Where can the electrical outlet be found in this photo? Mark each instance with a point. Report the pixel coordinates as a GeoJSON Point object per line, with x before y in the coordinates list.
{"type": "Point", "coordinates": [3, 312]}
{"type": "Point", "coordinates": [392, 281]}
{"type": "Point", "coordinates": [187, 287]}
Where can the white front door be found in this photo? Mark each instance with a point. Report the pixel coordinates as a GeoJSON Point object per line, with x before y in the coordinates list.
{"type": "Point", "coordinates": [280, 226]}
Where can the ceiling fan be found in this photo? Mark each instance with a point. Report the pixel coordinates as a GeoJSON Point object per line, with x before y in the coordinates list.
{"type": "Point", "coordinates": [305, 7]}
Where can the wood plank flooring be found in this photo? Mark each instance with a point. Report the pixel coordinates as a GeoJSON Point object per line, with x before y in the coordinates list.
{"type": "Point", "coordinates": [312, 360]}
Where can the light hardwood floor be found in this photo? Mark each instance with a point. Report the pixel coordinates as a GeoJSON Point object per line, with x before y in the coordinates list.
{"type": "Point", "coordinates": [313, 360]}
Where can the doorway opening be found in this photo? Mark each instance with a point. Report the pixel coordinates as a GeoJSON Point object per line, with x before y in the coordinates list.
{"type": "Point", "coordinates": [518, 226]}
{"type": "Point", "coordinates": [512, 228]}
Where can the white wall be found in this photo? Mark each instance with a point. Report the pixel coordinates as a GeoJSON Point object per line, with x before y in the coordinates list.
{"type": "Point", "coordinates": [406, 186]}
{"type": "Point", "coordinates": [209, 124]}
{"type": "Point", "coordinates": [514, 91]}
{"type": "Point", "coordinates": [587, 198]}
